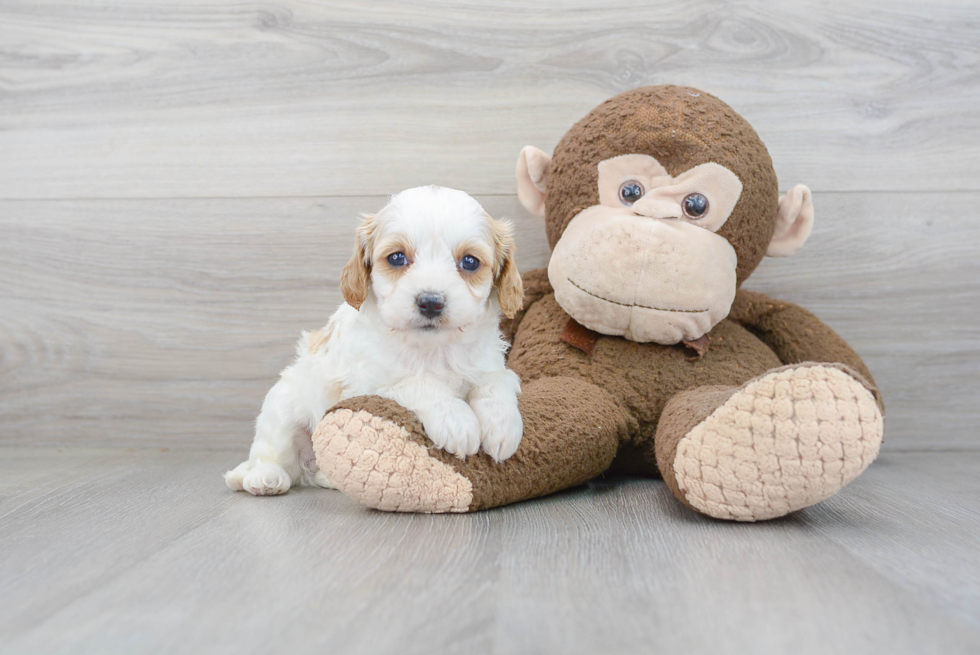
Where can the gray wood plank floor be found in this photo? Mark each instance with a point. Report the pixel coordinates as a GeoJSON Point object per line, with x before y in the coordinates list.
{"type": "Point", "coordinates": [111, 551]}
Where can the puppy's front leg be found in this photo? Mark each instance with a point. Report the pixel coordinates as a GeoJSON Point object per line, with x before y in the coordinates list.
{"type": "Point", "coordinates": [448, 420]}
{"type": "Point", "coordinates": [494, 401]}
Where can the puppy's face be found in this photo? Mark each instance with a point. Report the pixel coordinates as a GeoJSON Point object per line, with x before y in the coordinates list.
{"type": "Point", "coordinates": [434, 262]}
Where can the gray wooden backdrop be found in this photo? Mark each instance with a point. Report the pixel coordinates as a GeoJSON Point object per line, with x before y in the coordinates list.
{"type": "Point", "coordinates": [179, 181]}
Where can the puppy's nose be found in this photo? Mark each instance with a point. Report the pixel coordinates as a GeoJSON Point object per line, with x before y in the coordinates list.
{"type": "Point", "coordinates": [430, 304]}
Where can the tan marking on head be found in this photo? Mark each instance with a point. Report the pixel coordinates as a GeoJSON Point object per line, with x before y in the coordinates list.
{"type": "Point", "coordinates": [484, 253]}
{"type": "Point", "coordinates": [507, 279]}
{"type": "Point", "coordinates": [355, 279]}
{"type": "Point", "coordinates": [388, 246]}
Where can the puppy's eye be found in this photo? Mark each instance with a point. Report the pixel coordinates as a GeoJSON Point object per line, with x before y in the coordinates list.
{"type": "Point", "coordinates": [397, 259]}
{"type": "Point", "coordinates": [695, 205]}
{"type": "Point", "coordinates": [469, 263]}
{"type": "Point", "coordinates": [630, 191]}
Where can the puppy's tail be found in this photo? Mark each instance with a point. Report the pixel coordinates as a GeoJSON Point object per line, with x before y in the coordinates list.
{"type": "Point", "coordinates": [314, 343]}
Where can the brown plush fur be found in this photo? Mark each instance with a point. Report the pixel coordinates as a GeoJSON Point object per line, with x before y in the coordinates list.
{"type": "Point", "coordinates": [796, 335]}
{"type": "Point", "coordinates": [626, 405]}
{"type": "Point", "coordinates": [642, 377]}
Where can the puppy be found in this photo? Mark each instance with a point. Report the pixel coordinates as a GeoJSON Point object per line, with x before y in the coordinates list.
{"type": "Point", "coordinates": [430, 276]}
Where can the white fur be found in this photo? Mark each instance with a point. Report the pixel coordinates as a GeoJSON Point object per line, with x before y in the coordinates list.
{"type": "Point", "coordinates": [449, 371]}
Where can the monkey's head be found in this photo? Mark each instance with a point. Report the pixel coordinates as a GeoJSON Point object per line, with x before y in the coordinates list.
{"type": "Point", "coordinates": [658, 205]}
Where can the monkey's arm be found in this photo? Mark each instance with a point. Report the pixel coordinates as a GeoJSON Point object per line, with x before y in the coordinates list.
{"type": "Point", "coordinates": [536, 287]}
{"type": "Point", "coordinates": [795, 334]}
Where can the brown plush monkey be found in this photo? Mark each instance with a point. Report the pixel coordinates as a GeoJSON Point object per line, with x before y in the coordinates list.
{"type": "Point", "coordinates": [637, 349]}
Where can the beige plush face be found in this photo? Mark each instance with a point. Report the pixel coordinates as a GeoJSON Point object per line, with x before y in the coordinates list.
{"type": "Point", "coordinates": [646, 262]}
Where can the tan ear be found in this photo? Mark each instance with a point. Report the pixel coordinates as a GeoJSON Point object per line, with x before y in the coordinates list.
{"type": "Point", "coordinates": [533, 167]}
{"type": "Point", "coordinates": [793, 222]}
{"type": "Point", "coordinates": [355, 279]}
{"type": "Point", "coordinates": [507, 279]}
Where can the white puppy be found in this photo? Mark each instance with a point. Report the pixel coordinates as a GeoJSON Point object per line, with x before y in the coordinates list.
{"type": "Point", "coordinates": [430, 275]}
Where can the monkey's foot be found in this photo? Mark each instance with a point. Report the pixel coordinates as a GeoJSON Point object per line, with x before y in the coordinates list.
{"type": "Point", "coordinates": [781, 442]}
{"type": "Point", "coordinates": [386, 464]}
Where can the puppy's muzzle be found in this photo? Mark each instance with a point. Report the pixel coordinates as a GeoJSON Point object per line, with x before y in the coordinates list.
{"type": "Point", "coordinates": [430, 304]}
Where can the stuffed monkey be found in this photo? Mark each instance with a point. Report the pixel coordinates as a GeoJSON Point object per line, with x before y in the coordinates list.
{"type": "Point", "coordinates": [638, 350]}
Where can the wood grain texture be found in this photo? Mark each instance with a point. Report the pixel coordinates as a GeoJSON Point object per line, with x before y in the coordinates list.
{"type": "Point", "coordinates": [164, 322]}
{"type": "Point", "coordinates": [144, 551]}
{"type": "Point", "coordinates": [189, 177]}
{"type": "Point", "coordinates": [284, 98]}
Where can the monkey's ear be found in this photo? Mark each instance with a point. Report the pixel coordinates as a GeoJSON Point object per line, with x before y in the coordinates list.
{"type": "Point", "coordinates": [533, 167]}
{"type": "Point", "coordinates": [793, 222]}
{"type": "Point", "coordinates": [355, 278]}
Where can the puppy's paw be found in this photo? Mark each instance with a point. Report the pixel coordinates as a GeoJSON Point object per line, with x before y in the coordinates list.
{"type": "Point", "coordinates": [321, 480]}
{"type": "Point", "coordinates": [501, 426]}
{"type": "Point", "coordinates": [452, 425]}
{"type": "Point", "coordinates": [266, 479]}
{"type": "Point", "coordinates": [234, 477]}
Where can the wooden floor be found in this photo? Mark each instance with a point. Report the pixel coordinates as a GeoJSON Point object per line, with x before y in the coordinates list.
{"type": "Point", "coordinates": [108, 551]}
{"type": "Point", "coordinates": [179, 186]}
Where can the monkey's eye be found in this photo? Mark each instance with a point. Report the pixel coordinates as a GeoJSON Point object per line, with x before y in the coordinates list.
{"type": "Point", "coordinates": [397, 259]}
{"type": "Point", "coordinates": [630, 191]}
{"type": "Point", "coordinates": [695, 205]}
{"type": "Point", "coordinates": [469, 263]}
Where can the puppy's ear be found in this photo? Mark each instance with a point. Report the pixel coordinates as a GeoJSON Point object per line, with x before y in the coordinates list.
{"type": "Point", "coordinates": [506, 277]}
{"type": "Point", "coordinates": [356, 276]}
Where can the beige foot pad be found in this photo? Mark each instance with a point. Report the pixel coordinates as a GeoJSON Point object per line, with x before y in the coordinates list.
{"type": "Point", "coordinates": [785, 441]}
{"type": "Point", "coordinates": [376, 462]}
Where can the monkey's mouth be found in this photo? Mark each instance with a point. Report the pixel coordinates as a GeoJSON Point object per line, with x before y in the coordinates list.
{"type": "Point", "coordinates": [623, 304]}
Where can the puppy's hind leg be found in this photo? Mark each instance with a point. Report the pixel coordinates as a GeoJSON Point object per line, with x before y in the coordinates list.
{"type": "Point", "coordinates": [260, 479]}
{"type": "Point", "coordinates": [266, 472]}
{"type": "Point", "coordinates": [275, 461]}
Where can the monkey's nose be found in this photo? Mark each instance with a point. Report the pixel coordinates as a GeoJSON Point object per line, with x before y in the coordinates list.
{"type": "Point", "coordinates": [430, 304]}
{"type": "Point", "coordinates": [656, 208]}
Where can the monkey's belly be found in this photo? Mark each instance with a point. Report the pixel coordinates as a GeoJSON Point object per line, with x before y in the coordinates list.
{"type": "Point", "coordinates": [641, 376]}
